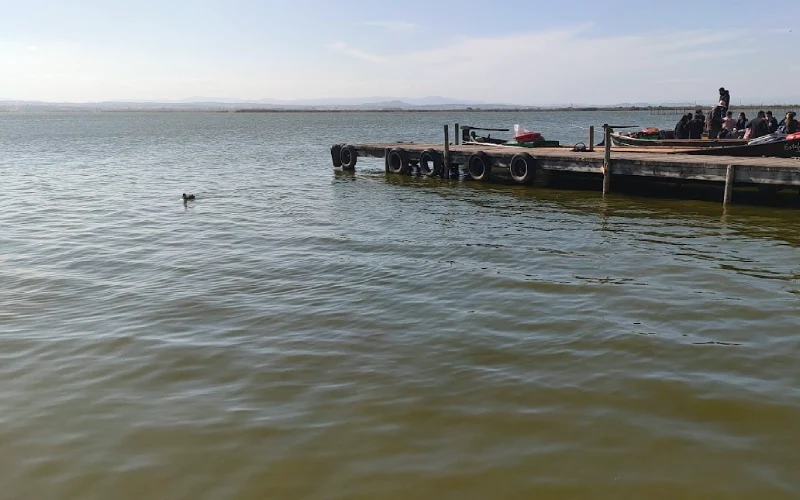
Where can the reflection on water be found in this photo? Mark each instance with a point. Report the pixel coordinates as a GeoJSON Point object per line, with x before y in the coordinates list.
{"type": "Point", "coordinates": [298, 333]}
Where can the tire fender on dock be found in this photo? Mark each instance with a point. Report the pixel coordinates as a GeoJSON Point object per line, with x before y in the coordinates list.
{"type": "Point", "coordinates": [398, 161]}
{"type": "Point", "coordinates": [480, 166]}
{"type": "Point", "coordinates": [430, 163]}
{"type": "Point", "coordinates": [336, 155]}
{"type": "Point", "coordinates": [349, 157]}
{"type": "Point", "coordinates": [522, 168]}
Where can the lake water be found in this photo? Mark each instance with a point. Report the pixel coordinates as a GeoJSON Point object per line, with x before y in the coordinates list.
{"type": "Point", "coordinates": [297, 333]}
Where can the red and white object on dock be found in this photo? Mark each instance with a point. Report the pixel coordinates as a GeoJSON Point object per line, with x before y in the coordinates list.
{"type": "Point", "coordinates": [522, 135]}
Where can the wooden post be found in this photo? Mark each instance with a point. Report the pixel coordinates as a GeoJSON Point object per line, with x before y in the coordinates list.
{"type": "Point", "coordinates": [457, 133]}
{"type": "Point", "coordinates": [446, 152]}
{"type": "Point", "coordinates": [607, 159]}
{"type": "Point", "coordinates": [386, 159]}
{"type": "Point", "coordinates": [591, 138]}
{"type": "Point", "coordinates": [729, 175]}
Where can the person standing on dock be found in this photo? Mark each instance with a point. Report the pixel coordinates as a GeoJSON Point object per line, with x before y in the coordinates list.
{"type": "Point", "coordinates": [697, 125]}
{"type": "Point", "coordinates": [724, 99]}
{"type": "Point", "coordinates": [715, 119]}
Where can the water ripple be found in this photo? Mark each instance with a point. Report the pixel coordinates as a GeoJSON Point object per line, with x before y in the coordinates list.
{"type": "Point", "coordinates": [295, 333]}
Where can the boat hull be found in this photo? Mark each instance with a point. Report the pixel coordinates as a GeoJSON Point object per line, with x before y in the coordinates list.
{"type": "Point", "coordinates": [622, 140]}
{"type": "Point", "coordinates": [777, 149]}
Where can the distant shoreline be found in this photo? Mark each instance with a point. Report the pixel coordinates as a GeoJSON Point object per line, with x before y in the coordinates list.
{"type": "Point", "coordinates": [233, 109]}
{"type": "Point", "coordinates": [513, 110]}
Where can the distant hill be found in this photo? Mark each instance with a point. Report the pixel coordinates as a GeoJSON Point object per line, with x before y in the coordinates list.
{"type": "Point", "coordinates": [432, 103]}
{"type": "Point", "coordinates": [375, 101]}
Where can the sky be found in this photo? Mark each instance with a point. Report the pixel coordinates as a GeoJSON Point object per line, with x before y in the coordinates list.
{"type": "Point", "coordinates": [511, 51]}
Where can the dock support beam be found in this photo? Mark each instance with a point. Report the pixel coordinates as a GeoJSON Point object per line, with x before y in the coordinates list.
{"type": "Point", "coordinates": [729, 175]}
{"type": "Point", "coordinates": [446, 152]}
{"type": "Point", "coordinates": [591, 138]}
{"type": "Point", "coordinates": [456, 135]}
{"type": "Point", "coordinates": [607, 159]}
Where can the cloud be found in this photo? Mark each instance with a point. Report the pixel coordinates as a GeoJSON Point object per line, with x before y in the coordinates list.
{"type": "Point", "coordinates": [357, 53]}
{"type": "Point", "coordinates": [32, 47]}
{"type": "Point", "coordinates": [563, 65]}
{"type": "Point", "coordinates": [576, 63]}
{"type": "Point", "coordinates": [392, 25]}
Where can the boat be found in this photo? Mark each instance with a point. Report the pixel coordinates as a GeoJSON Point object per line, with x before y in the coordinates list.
{"type": "Point", "coordinates": [469, 136]}
{"type": "Point", "coordinates": [529, 140]}
{"type": "Point", "coordinates": [773, 147]}
{"type": "Point", "coordinates": [666, 138]}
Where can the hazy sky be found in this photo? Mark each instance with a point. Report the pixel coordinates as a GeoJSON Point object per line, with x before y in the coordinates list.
{"type": "Point", "coordinates": [509, 51]}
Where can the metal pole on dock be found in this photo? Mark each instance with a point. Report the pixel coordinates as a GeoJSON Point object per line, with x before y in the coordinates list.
{"type": "Point", "coordinates": [607, 159]}
{"type": "Point", "coordinates": [591, 138]}
{"type": "Point", "coordinates": [456, 139]}
{"type": "Point", "coordinates": [729, 175]}
{"type": "Point", "coordinates": [446, 152]}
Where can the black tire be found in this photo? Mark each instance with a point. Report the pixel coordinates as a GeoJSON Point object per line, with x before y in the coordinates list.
{"type": "Point", "coordinates": [480, 166]}
{"type": "Point", "coordinates": [430, 163]}
{"type": "Point", "coordinates": [398, 161]}
{"type": "Point", "coordinates": [336, 155]}
{"type": "Point", "coordinates": [522, 168]}
{"type": "Point", "coordinates": [349, 157]}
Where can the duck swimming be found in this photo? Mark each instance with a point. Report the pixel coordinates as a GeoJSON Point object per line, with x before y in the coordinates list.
{"type": "Point", "coordinates": [188, 196]}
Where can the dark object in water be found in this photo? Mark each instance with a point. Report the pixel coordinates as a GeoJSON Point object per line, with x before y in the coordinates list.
{"type": "Point", "coordinates": [188, 196]}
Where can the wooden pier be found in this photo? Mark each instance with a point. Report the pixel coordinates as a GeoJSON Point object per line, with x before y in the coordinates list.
{"type": "Point", "coordinates": [533, 165]}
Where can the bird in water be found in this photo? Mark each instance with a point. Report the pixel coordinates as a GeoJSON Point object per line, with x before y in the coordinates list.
{"type": "Point", "coordinates": [188, 196]}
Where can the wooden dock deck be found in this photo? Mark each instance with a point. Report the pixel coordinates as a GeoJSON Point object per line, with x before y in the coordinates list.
{"type": "Point", "coordinates": [660, 163]}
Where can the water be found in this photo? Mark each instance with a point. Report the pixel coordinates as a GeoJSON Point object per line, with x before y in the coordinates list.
{"type": "Point", "coordinates": [296, 333]}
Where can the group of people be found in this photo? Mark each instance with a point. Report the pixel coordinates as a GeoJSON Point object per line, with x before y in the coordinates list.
{"type": "Point", "coordinates": [721, 124]}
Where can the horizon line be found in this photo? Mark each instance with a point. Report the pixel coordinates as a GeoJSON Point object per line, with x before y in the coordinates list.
{"type": "Point", "coordinates": [455, 103]}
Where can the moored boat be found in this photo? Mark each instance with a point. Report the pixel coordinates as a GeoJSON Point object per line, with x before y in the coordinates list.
{"type": "Point", "coordinates": [650, 140]}
{"type": "Point", "coordinates": [525, 139]}
{"type": "Point", "coordinates": [468, 135]}
{"type": "Point", "coordinates": [777, 148]}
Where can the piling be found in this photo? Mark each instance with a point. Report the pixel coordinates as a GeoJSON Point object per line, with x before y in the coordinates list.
{"type": "Point", "coordinates": [607, 159]}
{"type": "Point", "coordinates": [729, 175]}
{"type": "Point", "coordinates": [591, 138]}
{"type": "Point", "coordinates": [446, 152]}
{"type": "Point", "coordinates": [456, 133]}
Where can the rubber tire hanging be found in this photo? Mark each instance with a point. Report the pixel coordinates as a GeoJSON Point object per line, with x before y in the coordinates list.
{"type": "Point", "coordinates": [398, 161]}
{"type": "Point", "coordinates": [430, 163]}
{"type": "Point", "coordinates": [336, 155]}
{"type": "Point", "coordinates": [480, 166]}
{"type": "Point", "coordinates": [522, 168]}
{"type": "Point", "coordinates": [349, 157]}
